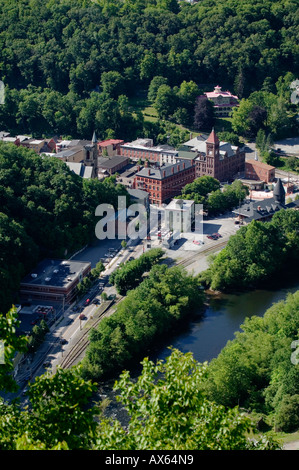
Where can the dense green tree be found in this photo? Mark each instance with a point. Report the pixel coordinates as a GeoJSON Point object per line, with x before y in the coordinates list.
{"type": "Point", "coordinates": [129, 275]}
{"type": "Point", "coordinates": [204, 116]}
{"type": "Point", "coordinates": [255, 253]}
{"type": "Point", "coordinates": [165, 102]}
{"type": "Point", "coordinates": [154, 85]}
{"type": "Point", "coordinates": [168, 411]}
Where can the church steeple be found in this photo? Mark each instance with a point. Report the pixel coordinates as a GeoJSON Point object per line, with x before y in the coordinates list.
{"type": "Point", "coordinates": [94, 138]}
{"type": "Point", "coordinates": [91, 155]}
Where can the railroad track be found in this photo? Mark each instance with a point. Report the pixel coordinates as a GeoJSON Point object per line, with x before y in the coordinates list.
{"type": "Point", "coordinates": [75, 353]}
{"type": "Point", "coordinates": [192, 259]}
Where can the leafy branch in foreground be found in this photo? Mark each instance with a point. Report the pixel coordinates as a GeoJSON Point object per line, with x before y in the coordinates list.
{"type": "Point", "coordinates": [168, 411]}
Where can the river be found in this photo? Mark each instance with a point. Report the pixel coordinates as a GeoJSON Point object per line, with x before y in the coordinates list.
{"type": "Point", "coordinates": [205, 336]}
{"type": "Point", "coordinates": [207, 333]}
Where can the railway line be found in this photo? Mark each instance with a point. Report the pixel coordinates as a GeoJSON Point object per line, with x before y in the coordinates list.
{"type": "Point", "coordinates": [72, 356]}
{"type": "Point", "coordinates": [192, 259]}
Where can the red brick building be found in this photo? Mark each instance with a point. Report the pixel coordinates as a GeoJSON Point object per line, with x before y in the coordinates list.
{"type": "Point", "coordinates": [221, 160]}
{"type": "Point", "coordinates": [165, 182]}
{"type": "Point", "coordinates": [255, 170]}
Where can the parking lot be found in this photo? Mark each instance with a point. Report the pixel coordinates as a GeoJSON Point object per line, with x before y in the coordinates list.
{"type": "Point", "coordinates": [197, 243]}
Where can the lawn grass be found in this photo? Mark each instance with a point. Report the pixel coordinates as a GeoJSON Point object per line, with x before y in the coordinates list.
{"type": "Point", "coordinates": [223, 124]}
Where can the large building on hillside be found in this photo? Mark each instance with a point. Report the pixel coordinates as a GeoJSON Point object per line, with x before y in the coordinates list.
{"type": "Point", "coordinates": [223, 101]}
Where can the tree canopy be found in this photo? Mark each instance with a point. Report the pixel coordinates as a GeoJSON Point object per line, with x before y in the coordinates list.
{"type": "Point", "coordinates": [256, 253]}
{"type": "Point", "coordinates": [66, 62]}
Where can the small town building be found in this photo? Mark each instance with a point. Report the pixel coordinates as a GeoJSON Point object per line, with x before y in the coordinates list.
{"type": "Point", "coordinates": [109, 166]}
{"type": "Point", "coordinates": [259, 171]}
{"type": "Point", "coordinates": [221, 160]}
{"type": "Point", "coordinates": [110, 147]}
{"type": "Point", "coordinates": [144, 150]}
{"type": "Point", "coordinates": [138, 196]}
{"type": "Point", "coordinates": [179, 215]}
{"type": "Point", "coordinates": [80, 169]}
{"type": "Point", "coordinates": [265, 209]}
{"type": "Point", "coordinates": [54, 280]}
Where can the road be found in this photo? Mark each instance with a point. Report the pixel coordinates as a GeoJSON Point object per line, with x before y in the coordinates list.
{"type": "Point", "coordinates": [66, 331]}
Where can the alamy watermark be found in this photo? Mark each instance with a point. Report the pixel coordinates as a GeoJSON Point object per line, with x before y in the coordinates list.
{"type": "Point", "coordinates": [182, 219]}
{"type": "Point", "coordinates": [2, 92]}
{"type": "Point", "coordinates": [2, 356]}
{"type": "Point", "coordinates": [295, 354]}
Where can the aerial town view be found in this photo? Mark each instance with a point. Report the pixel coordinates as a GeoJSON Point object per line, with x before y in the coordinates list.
{"type": "Point", "coordinates": [149, 228]}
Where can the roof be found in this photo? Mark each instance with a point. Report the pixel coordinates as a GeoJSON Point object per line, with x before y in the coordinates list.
{"type": "Point", "coordinates": [80, 169]}
{"type": "Point", "coordinates": [56, 272]}
{"type": "Point", "coordinates": [259, 164]}
{"type": "Point", "coordinates": [94, 138]}
{"type": "Point", "coordinates": [108, 163]}
{"type": "Point", "coordinates": [258, 210]}
{"type": "Point", "coordinates": [278, 190]}
{"type": "Point", "coordinates": [188, 155]}
{"type": "Point", "coordinates": [293, 205]}
{"type": "Point", "coordinates": [138, 193]}
{"type": "Point", "coordinates": [158, 173]}
{"type": "Point", "coordinates": [212, 139]}
{"type": "Point", "coordinates": [68, 152]}
{"type": "Point", "coordinates": [180, 205]}
{"type": "Point", "coordinates": [218, 92]}
{"type": "Point", "coordinates": [36, 142]}
{"type": "Point", "coordinates": [107, 142]}
{"type": "Point", "coordinates": [4, 134]}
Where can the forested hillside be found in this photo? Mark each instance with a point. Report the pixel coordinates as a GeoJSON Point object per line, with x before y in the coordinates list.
{"type": "Point", "coordinates": [46, 210]}
{"type": "Point", "coordinates": [71, 65]}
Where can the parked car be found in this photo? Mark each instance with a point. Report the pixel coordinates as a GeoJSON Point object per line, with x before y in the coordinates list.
{"type": "Point", "coordinates": [87, 301]}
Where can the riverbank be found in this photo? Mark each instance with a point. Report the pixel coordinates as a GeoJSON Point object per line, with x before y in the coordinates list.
{"type": "Point", "coordinates": [207, 332]}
